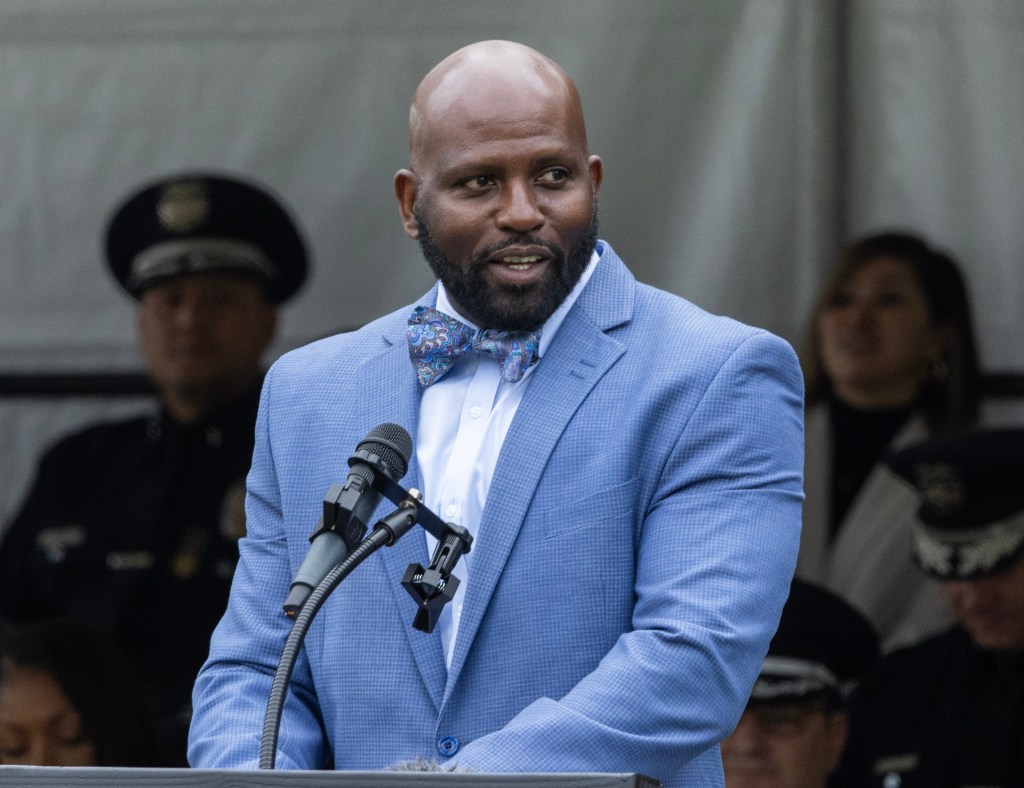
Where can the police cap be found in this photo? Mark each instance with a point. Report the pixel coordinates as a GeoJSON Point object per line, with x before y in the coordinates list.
{"type": "Point", "coordinates": [971, 519]}
{"type": "Point", "coordinates": [822, 648]}
{"type": "Point", "coordinates": [193, 222]}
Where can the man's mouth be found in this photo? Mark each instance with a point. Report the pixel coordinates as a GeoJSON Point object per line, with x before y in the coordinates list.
{"type": "Point", "coordinates": [520, 263]}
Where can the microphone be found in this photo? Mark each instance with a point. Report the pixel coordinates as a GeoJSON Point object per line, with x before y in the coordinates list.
{"type": "Point", "coordinates": [348, 507]}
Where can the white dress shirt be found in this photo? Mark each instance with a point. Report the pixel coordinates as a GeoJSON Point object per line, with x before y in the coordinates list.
{"type": "Point", "coordinates": [463, 420]}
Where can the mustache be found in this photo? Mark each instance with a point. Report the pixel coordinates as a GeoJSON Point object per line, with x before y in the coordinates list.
{"type": "Point", "coordinates": [479, 260]}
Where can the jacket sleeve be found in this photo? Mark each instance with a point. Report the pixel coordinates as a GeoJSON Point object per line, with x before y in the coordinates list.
{"type": "Point", "coordinates": [232, 689]}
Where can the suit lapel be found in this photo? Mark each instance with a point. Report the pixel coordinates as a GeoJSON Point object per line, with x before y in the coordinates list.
{"type": "Point", "coordinates": [396, 399]}
{"type": "Point", "coordinates": [580, 354]}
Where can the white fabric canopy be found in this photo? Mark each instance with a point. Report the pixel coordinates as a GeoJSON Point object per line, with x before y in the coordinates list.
{"type": "Point", "coordinates": [744, 141]}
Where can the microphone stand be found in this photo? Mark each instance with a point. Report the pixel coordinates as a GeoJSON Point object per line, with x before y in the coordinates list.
{"type": "Point", "coordinates": [431, 588]}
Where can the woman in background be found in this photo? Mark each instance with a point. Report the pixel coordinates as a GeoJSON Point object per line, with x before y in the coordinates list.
{"type": "Point", "coordinates": [69, 698]}
{"type": "Point", "coordinates": [890, 360]}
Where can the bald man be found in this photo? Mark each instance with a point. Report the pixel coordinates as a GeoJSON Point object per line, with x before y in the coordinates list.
{"type": "Point", "coordinates": [628, 465]}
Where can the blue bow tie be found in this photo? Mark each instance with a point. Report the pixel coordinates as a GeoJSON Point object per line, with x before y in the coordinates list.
{"type": "Point", "coordinates": [437, 340]}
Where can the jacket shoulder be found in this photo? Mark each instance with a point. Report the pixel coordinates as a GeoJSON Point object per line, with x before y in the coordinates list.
{"type": "Point", "coordinates": [344, 351]}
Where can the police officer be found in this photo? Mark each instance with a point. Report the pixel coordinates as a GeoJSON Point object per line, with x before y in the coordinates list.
{"type": "Point", "coordinates": [794, 728]}
{"type": "Point", "coordinates": [132, 525]}
{"type": "Point", "coordinates": [950, 710]}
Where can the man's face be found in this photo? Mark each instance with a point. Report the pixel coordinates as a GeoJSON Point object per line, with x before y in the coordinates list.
{"type": "Point", "coordinates": [991, 607]}
{"type": "Point", "coordinates": [503, 198]}
{"type": "Point", "coordinates": [784, 745]}
{"type": "Point", "coordinates": [202, 334]}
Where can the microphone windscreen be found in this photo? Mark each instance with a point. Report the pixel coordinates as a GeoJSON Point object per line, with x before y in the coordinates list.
{"type": "Point", "coordinates": [393, 444]}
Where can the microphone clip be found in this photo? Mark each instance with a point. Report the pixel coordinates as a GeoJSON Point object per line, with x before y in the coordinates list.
{"type": "Point", "coordinates": [339, 503]}
{"type": "Point", "coordinates": [434, 587]}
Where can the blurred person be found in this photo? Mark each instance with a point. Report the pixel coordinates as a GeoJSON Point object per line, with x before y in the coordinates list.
{"type": "Point", "coordinates": [133, 525]}
{"type": "Point", "coordinates": [949, 711]}
{"type": "Point", "coordinates": [69, 697]}
{"type": "Point", "coordinates": [890, 360]}
{"type": "Point", "coordinates": [794, 728]}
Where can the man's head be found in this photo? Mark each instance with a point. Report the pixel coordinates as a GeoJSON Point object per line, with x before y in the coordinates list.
{"type": "Point", "coordinates": [794, 728]}
{"type": "Point", "coordinates": [501, 192]}
{"type": "Point", "coordinates": [208, 258]}
{"type": "Point", "coordinates": [970, 529]}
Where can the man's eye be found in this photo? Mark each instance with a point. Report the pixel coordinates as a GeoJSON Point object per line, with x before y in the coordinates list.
{"type": "Point", "coordinates": [479, 182]}
{"type": "Point", "coordinates": [841, 298]}
{"type": "Point", "coordinates": [554, 175]}
{"type": "Point", "coordinates": [168, 301]}
{"type": "Point", "coordinates": [13, 750]}
{"type": "Point", "coordinates": [221, 298]}
{"type": "Point", "coordinates": [891, 298]}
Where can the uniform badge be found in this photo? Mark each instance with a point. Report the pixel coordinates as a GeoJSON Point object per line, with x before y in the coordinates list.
{"type": "Point", "coordinates": [183, 206]}
{"type": "Point", "coordinates": [940, 486]}
{"type": "Point", "coordinates": [55, 542]}
{"type": "Point", "coordinates": [893, 768]}
{"type": "Point", "coordinates": [188, 557]}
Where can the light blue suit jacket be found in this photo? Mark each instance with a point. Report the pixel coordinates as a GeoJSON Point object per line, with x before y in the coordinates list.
{"type": "Point", "coordinates": [632, 562]}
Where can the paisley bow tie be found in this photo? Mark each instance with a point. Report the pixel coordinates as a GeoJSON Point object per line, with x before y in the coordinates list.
{"type": "Point", "coordinates": [437, 340]}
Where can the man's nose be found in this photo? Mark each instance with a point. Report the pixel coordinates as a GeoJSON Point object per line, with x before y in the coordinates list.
{"type": "Point", "coordinates": [192, 313]}
{"type": "Point", "coordinates": [520, 211]}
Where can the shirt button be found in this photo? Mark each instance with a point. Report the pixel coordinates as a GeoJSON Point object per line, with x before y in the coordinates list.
{"type": "Point", "coordinates": [475, 411]}
{"type": "Point", "coordinates": [451, 510]}
{"type": "Point", "coordinates": [447, 746]}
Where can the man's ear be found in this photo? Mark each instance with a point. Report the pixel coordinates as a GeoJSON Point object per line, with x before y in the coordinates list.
{"type": "Point", "coordinates": [406, 187]}
{"type": "Point", "coordinates": [268, 325]}
{"type": "Point", "coordinates": [838, 730]}
{"type": "Point", "coordinates": [596, 168]}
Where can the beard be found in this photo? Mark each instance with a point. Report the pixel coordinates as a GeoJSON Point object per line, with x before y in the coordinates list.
{"type": "Point", "coordinates": [509, 307]}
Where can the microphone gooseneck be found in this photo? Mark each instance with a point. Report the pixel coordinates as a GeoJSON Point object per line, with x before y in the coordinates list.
{"type": "Point", "coordinates": [338, 548]}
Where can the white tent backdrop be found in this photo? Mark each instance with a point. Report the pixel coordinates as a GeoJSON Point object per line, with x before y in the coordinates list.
{"type": "Point", "coordinates": [743, 140]}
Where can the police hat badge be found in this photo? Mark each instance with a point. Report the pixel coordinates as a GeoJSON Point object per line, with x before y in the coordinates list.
{"type": "Point", "coordinates": [971, 518]}
{"type": "Point", "coordinates": [195, 222]}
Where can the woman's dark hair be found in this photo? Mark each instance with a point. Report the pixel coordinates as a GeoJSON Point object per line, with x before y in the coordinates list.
{"type": "Point", "coordinates": [949, 400]}
{"type": "Point", "coordinates": [103, 686]}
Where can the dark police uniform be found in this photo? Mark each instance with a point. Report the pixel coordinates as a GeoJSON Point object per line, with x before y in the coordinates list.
{"type": "Point", "coordinates": [941, 713]}
{"type": "Point", "coordinates": [945, 713]}
{"type": "Point", "coordinates": [132, 526]}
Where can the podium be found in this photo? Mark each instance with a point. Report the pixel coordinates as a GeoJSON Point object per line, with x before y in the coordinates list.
{"type": "Point", "coordinates": [109, 777]}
